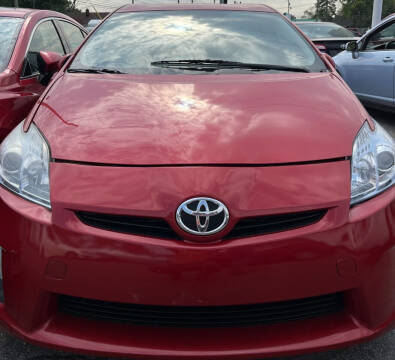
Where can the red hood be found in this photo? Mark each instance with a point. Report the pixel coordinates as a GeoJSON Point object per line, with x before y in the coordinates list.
{"type": "Point", "coordinates": [224, 119]}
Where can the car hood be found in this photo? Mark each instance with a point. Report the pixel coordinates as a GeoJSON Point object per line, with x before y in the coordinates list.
{"type": "Point", "coordinates": [200, 119]}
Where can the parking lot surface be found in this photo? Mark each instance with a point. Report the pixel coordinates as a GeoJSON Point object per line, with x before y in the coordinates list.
{"type": "Point", "coordinates": [382, 348]}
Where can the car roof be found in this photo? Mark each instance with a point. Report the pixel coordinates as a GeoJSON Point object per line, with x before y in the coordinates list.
{"type": "Point", "coordinates": [25, 13]}
{"type": "Point", "coordinates": [36, 13]}
{"type": "Point", "coordinates": [230, 7]}
{"type": "Point", "coordinates": [15, 12]}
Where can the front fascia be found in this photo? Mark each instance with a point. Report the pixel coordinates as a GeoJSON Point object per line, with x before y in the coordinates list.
{"type": "Point", "coordinates": [125, 268]}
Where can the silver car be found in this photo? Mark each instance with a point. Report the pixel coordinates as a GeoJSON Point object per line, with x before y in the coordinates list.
{"type": "Point", "coordinates": [368, 66]}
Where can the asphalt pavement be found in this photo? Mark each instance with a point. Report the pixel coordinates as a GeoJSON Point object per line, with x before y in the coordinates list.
{"type": "Point", "coordinates": [382, 348]}
{"type": "Point", "coordinates": [387, 120]}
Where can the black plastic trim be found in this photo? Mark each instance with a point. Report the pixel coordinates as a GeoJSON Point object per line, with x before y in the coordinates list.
{"type": "Point", "coordinates": [87, 163]}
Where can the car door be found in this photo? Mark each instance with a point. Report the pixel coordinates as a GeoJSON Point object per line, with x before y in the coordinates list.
{"type": "Point", "coordinates": [32, 78]}
{"type": "Point", "coordinates": [371, 72]}
{"type": "Point", "coordinates": [72, 34]}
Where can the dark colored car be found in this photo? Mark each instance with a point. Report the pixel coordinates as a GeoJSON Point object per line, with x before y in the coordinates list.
{"type": "Point", "coordinates": [328, 37]}
{"type": "Point", "coordinates": [197, 182]}
{"type": "Point", "coordinates": [356, 31]}
{"type": "Point", "coordinates": [23, 77]}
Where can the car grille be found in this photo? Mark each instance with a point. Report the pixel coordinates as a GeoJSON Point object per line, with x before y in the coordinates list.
{"type": "Point", "coordinates": [144, 226]}
{"type": "Point", "coordinates": [268, 224]}
{"type": "Point", "coordinates": [207, 316]}
{"type": "Point", "coordinates": [159, 228]}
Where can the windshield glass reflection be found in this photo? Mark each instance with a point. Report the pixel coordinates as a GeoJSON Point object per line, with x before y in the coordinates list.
{"type": "Point", "coordinates": [9, 30]}
{"type": "Point", "coordinates": [130, 42]}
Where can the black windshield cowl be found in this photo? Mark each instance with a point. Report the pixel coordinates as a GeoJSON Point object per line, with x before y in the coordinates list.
{"type": "Point", "coordinates": [95, 71]}
{"type": "Point", "coordinates": [212, 65]}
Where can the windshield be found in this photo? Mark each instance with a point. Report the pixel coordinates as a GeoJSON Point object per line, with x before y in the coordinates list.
{"type": "Point", "coordinates": [324, 31]}
{"type": "Point", "coordinates": [136, 42]}
{"type": "Point", "coordinates": [9, 30]}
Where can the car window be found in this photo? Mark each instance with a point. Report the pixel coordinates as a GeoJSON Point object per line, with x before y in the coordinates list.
{"type": "Point", "coordinates": [73, 34]}
{"type": "Point", "coordinates": [384, 39]}
{"type": "Point", "coordinates": [9, 31]}
{"type": "Point", "coordinates": [45, 38]}
{"type": "Point", "coordinates": [325, 30]}
{"type": "Point", "coordinates": [131, 42]}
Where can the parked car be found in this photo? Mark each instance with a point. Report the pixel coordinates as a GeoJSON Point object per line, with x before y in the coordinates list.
{"type": "Point", "coordinates": [329, 37]}
{"type": "Point", "coordinates": [369, 65]}
{"type": "Point", "coordinates": [197, 182]}
{"type": "Point", "coordinates": [92, 24]}
{"type": "Point", "coordinates": [23, 35]}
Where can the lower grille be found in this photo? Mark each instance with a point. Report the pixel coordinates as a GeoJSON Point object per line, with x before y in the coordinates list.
{"type": "Point", "coordinates": [208, 316]}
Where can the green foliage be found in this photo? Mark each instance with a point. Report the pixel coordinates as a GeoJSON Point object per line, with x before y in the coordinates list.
{"type": "Point", "coordinates": [325, 10]}
{"type": "Point", "coordinates": [358, 13]}
{"type": "Point", "coordinates": [57, 5]}
{"type": "Point", "coordinates": [310, 14]}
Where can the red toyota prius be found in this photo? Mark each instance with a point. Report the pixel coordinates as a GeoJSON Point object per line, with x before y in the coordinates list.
{"type": "Point", "coordinates": [197, 182]}
{"type": "Point", "coordinates": [26, 36]}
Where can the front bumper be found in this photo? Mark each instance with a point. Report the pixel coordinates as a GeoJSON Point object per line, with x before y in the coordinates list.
{"type": "Point", "coordinates": [50, 253]}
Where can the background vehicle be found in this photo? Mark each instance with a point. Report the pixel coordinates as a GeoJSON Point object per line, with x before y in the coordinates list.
{"type": "Point", "coordinates": [23, 74]}
{"type": "Point", "coordinates": [369, 65]}
{"type": "Point", "coordinates": [92, 24]}
{"type": "Point", "coordinates": [356, 31]}
{"type": "Point", "coordinates": [328, 37]}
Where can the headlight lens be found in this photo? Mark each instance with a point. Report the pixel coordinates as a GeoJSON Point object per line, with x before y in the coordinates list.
{"type": "Point", "coordinates": [373, 161]}
{"type": "Point", "coordinates": [24, 165]}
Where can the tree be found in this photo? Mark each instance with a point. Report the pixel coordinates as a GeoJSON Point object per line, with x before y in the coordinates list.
{"type": "Point", "coordinates": [310, 13]}
{"type": "Point", "coordinates": [358, 13]}
{"type": "Point", "coordinates": [57, 5]}
{"type": "Point", "coordinates": [325, 10]}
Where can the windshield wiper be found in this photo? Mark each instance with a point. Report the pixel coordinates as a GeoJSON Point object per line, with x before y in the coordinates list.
{"type": "Point", "coordinates": [95, 71]}
{"type": "Point", "coordinates": [212, 65]}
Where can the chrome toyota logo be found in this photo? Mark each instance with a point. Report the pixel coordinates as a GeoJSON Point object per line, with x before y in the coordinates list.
{"type": "Point", "coordinates": [202, 216]}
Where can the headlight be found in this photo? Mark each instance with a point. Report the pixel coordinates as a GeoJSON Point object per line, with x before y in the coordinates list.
{"type": "Point", "coordinates": [373, 161]}
{"type": "Point", "coordinates": [24, 163]}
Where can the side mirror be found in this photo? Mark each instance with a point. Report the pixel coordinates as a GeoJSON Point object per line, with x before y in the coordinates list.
{"type": "Point", "coordinates": [330, 60]}
{"type": "Point", "coordinates": [52, 62]}
{"type": "Point", "coordinates": [352, 46]}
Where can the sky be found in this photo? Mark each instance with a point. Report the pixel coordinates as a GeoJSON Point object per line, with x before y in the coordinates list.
{"type": "Point", "coordinates": [298, 6]}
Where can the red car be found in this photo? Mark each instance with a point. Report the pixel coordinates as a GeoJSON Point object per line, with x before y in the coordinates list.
{"type": "Point", "coordinates": [197, 182]}
{"type": "Point", "coordinates": [23, 35]}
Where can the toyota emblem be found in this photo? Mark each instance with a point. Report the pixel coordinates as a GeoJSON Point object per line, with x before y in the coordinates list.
{"type": "Point", "coordinates": [202, 216]}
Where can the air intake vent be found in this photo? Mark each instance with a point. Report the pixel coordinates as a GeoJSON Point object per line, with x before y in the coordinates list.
{"type": "Point", "coordinates": [274, 223]}
{"type": "Point", "coordinates": [159, 228]}
{"type": "Point", "coordinates": [208, 316]}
